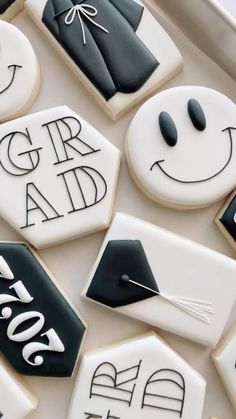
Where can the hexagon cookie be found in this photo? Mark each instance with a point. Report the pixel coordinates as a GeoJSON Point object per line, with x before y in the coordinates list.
{"type": "Point", "coordinates": [16, 402]}
{"type": "Point", "coordinates": [19, 72]}
{"type": "Point", "coordinates": [226, 220]}
{"type": "Point", "coordinates": [224, 357]}
{"type": "Point", "coordinates": [163, 279]}
{"type": "Point", "coordinates": [141, 378]}
{"type": "Point", "coordinates": [41, 333]}
{"type": "Point", "coordinates": [111, 47]}
{"type": "Point", "coordinates": [57, 176]}
{"type": "Point", "coordinates": [186, 158]}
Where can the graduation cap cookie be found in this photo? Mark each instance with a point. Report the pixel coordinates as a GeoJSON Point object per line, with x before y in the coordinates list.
{"type": "Point", "coordinates": [141, 378]}
{"type": "Point", "coordinates": [162, 279]}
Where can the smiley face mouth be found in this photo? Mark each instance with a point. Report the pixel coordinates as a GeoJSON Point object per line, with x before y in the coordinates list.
{"type": "Point", "coordinates": [14, 68]}
{"type": "Point", "coordinates": [158, 163]}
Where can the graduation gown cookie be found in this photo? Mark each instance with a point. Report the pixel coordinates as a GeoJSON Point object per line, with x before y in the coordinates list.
{"type": "Point", "coordinates": [108, 44]}
{"type": "Point", "coordinates": [100, 37]}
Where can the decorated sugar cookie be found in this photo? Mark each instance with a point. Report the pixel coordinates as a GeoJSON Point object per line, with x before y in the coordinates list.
{"type": "Point", "coordinates": [19, 72]}
{"type": "Point", "coordinates": [60, 174]}
{"type": "Point", "coordinates": [224, 357]}
{"type": "Point", "coordinates": [226, 219]}
{"type": "Point", "coordinates": [181, 147]}
{"type": "Point", "coordinates": [16, 402]}
{"type": "Point", "coordinates": [112, 47]}
{"type": "Point", "coordinates": [141, 378]}
{"type": "Point", "coordinates": [10, 8]}
{"type": "Point", "coordinates": [41, 333]}
{"type": "Point", "coordinates": [163, 279]}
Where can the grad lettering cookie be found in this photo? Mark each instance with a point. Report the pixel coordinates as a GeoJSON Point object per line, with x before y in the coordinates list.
{"type": "Point", "coordinates": [19, 72]}
{"type": "Point", "coordinates": [116, 48]}
{"type": "Point", "coordinates": [226, 220]}
{"type": "Point", "coordinates": [224, 357]}
{"type": "Point", "coordinates": [16, 402]}
{"type": "Point", "coordinates": [41, 333]}
{"type": "Point", "coordinates": [10, 8]}
{"type": "Point", "coordinates": [163, 279]}
{"type": "Point", "coordinates": [141, 378]}
{"type": "Point", "coordinates": [181, 147]}
{"type": "Point", "coordinates": [60, 174]}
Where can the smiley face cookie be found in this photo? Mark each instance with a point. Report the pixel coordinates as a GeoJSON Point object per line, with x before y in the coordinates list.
{"type": "Point", "coordinates": [19, 72]}
{"type": "Point", "coordinates": [181, 147]}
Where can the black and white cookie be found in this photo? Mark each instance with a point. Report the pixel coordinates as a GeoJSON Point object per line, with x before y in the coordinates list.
{"type": "Point", "coordinates": [116, 48]}
{"type": "Point", "coordinates": [59, 173]}
{"type": "Point", "coordinates": [226, 220]}
{"type": "Point", "coordinates": [10, 8]}
{"type": "Point", "coordinates": [141, 378]}
{"type": "Point", "coordinates": [41, 333]}
{"type": "Point", "coordinates": [163, 279]}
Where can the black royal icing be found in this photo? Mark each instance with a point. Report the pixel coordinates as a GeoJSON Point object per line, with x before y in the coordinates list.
{"type": "Point", "coordinates": [228, 219]}
{"type": "Point", "coordinates": [114, 59]}
{"type": "Point", "coordinates": [47, 300]}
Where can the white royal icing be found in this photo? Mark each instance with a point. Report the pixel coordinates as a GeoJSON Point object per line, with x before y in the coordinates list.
{"type": "Point", "coordinates": [141, 378]}
{"type": "Point", "coordinates": [181, 268]}
{"type": "Point", "coordinates": [62, 175]}
{"type": "Point", "coordinates": [201, 168]}
{"type": "Point", "coordinates": [15, 400]}
{"type": "Point", "coordinates": [19, 72]}
{"type": "Point", "coordinates": [224, 357]}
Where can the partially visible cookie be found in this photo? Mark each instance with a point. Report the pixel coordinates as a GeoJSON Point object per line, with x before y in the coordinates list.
{"type": "Point", "coordinates": [224, 357]}
{"type": "Point", "coordinates": [16, 402]}
{"type": "Point", "coordinates": [41, 333]}
{"type": "Point", "coordinates": [10, 8]}
{"type": "Point", "coordinates": [116, 48]}
{"type": "Point", "coordinates": [19, 72]}
{"type": "Point", "coordinates": [140, 378]}
{"type": "Point", "coordinates": [226, 219]}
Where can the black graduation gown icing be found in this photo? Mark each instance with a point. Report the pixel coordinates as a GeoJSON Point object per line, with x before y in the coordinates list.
{"type": "Point", "coordinates": [114, 61]}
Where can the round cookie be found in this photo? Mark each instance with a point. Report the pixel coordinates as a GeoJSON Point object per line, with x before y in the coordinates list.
{"type": "Point", "coordinates": [19, 72]}
{"type": "Point", "coordinates": [180, 147]}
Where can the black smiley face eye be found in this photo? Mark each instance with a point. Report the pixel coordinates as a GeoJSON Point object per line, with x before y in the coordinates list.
{"type": "Point", "coordinates": [168, 129]}
{"type": "Point", "coordinates": [196, 114]}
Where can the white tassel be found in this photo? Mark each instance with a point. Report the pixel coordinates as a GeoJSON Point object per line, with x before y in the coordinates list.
{"type": "Point", "coordinates": [199, 309]}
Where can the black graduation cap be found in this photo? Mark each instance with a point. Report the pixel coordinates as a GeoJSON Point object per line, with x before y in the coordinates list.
{"type": "Point", "coordinates": [124, 276]}
{"type": "Point", "coordinates": [120, 258]}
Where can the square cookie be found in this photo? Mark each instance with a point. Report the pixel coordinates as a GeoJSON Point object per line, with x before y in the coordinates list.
{"type": "Point", "coordinates": [226, 220]}
{"type": "Point", "coordinates": [140, 378]}
{"type": "Point", "coordinates": [163, 279]}
{"type": "Point", "coordinates": [116, 48]}
{"type": "Point", "coordinates": [224, 357]}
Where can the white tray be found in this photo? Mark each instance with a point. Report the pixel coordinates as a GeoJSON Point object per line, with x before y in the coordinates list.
{"type": "Point", "coordinates": [71, 261]}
